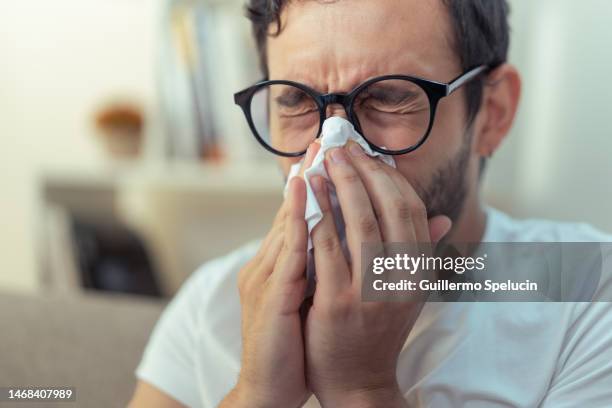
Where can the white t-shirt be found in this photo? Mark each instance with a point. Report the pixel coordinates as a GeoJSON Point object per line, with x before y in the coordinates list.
{"type": "Point", "coordinates": [457, 354]}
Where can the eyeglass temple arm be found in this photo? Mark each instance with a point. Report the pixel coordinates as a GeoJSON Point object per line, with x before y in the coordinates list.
{"type": "Point", "coordinates": [465, 78]}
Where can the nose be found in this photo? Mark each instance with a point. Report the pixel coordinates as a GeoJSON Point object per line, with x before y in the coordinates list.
{"type": "Point", "coordinates": [335, 110]}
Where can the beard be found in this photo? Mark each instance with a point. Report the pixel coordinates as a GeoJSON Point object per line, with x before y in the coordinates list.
{"type": "Point", "coordinates": [447, 190]}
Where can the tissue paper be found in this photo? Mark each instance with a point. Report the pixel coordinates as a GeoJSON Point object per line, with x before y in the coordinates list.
{"type": "Point", "coordinates": [336, 132]}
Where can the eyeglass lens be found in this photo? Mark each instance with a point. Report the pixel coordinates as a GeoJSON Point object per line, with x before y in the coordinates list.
{"type": "Point", "coordinates": [393, 114]}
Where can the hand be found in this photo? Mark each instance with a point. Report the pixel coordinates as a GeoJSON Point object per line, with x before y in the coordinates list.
{"type": "Point", "coordinates": [271, 289]}
{"type": "Point", "coordinates": [352, 346]}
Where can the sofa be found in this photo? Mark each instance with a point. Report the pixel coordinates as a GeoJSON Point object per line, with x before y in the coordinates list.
{"type": "Point", "coordinates": [90, 341]}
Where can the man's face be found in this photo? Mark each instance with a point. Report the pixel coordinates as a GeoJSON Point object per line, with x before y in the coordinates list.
{"type": "Point", "coordinates": [333, 47]}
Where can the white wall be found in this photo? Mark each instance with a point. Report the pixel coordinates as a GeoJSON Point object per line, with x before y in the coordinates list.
{"type": "Point", "coordinates": [59, 60]}
{"type": "Point", "coordinates": [557, 162]}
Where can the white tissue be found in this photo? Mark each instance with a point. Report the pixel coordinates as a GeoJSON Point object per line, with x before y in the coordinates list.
{"type": "Point", "coordinates": [336, 132]}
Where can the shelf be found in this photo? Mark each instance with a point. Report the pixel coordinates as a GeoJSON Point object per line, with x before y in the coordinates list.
{"type": "Point", "coordinates": [250, 176]}
{"type": "Point", "coordinates": [261, 177]}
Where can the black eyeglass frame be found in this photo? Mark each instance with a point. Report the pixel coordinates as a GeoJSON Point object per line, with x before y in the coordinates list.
{"type": "Point", "coordinates": [434, 90]}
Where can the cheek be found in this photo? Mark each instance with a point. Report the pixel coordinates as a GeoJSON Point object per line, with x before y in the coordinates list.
{"type": "Point", "coordinates": [417, 169]}
{"type": "Point", "coordinates": [444, 141]}
{"type": "Point", "coordinates": [448, 132]}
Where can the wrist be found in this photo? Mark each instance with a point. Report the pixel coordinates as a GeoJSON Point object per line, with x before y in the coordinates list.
{"type": "Point", "coordinates": [245, 396]}
{"type": "Point", "coordinates": [375, 397]}
{"type": "Point", "coordinates": [250, 396]}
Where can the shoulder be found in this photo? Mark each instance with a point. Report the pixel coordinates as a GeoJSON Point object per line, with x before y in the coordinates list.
{"type": "Point", "coordinates": [212, 283]}
{"type": "Point", "coordinates": [213, 288]}
{"type": "Point", "coordinates": [585, 248]}
{"type": "Point", "coordinates": [196, 342]}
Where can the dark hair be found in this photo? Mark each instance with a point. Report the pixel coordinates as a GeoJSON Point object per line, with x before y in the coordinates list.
{"type": "Point", "coordinates": [481, 35]}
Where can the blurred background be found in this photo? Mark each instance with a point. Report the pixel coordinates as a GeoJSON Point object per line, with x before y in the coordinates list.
{"type": "Point", "coordinates": [125, 164]}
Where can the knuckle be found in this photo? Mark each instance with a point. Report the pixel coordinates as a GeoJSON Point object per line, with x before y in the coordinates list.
{"type": "Point", "coordinates": [243, 274]}
{"type": "Point", "coordinates": [290, 246]}
{"type": "Point", "coordinates": [245, 279]}
{"type": "Point", "coordinates": [286, 247]}
{"type": "Point", "coordinates": [418, 210]}
{"type": "Point", "coordinates": [343, 306]}
{"type": "Point", "coordinates": [349, 177]}
{"type": "Point", "coordinates": [325, 206]}
{"type": "Point", "coordinates": [372, 165]}
{"type": "Point", "coordinates": [278, 225]}
{"type": "Point", "coordinates": [367, 224]}
{"type": "Point", "coordinates": [340, 307]}
{"type": "Point", "coordinates": [402, 209]}
{"type": "Point", "coordinates": [328, 243]}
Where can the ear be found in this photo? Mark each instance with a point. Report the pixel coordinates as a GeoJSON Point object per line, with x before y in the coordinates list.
{"type": "Point", "coordinates": [500, 98]}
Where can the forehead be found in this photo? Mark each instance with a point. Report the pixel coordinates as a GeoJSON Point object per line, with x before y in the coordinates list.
{"type": "Point", "coordinates": [333, 46]}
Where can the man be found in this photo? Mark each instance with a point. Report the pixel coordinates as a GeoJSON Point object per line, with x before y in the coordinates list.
{"type": "Point", "coordinates": [343, 352]}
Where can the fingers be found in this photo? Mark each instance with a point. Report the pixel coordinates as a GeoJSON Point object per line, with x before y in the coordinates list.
{"type": "Point", "coordinates": [426, 230]}
{"type": "Point", "coordinates": [265, 259]}
{"type": "Point", "coordinates": [416, 207]}
{"type": "Point", "coordinates": [359, 217]}
{"type": "Point", "coordinates": [378, 205]}
{"type": "Point", "coordinates": [291, 262]}
{"type": "Point", "coordinates": [270, 247]}
{"type": "Point", "coordinates": [277, 227]}
{"type": "Point", "coordinates": [332, 270]}
{"type": "Point", "coordinates": [394, 210]}
{"type": "Point", "coordinates": [269, 257]}
{"type": "Point", "coordinates": [439, 226]}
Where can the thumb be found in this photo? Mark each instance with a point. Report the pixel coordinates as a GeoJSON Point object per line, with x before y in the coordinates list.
{"type": "Point", "coordinates": [439, 226]}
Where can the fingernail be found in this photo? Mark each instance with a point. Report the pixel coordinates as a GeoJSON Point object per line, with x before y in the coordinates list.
{"type": "Point", "coordinates": [338, 156]}
{"type": "Point", "coordinates": [356, 150]}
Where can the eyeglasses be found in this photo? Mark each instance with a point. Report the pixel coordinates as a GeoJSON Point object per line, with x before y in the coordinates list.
{"type": "Point", "coordinates": [393, 113]}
